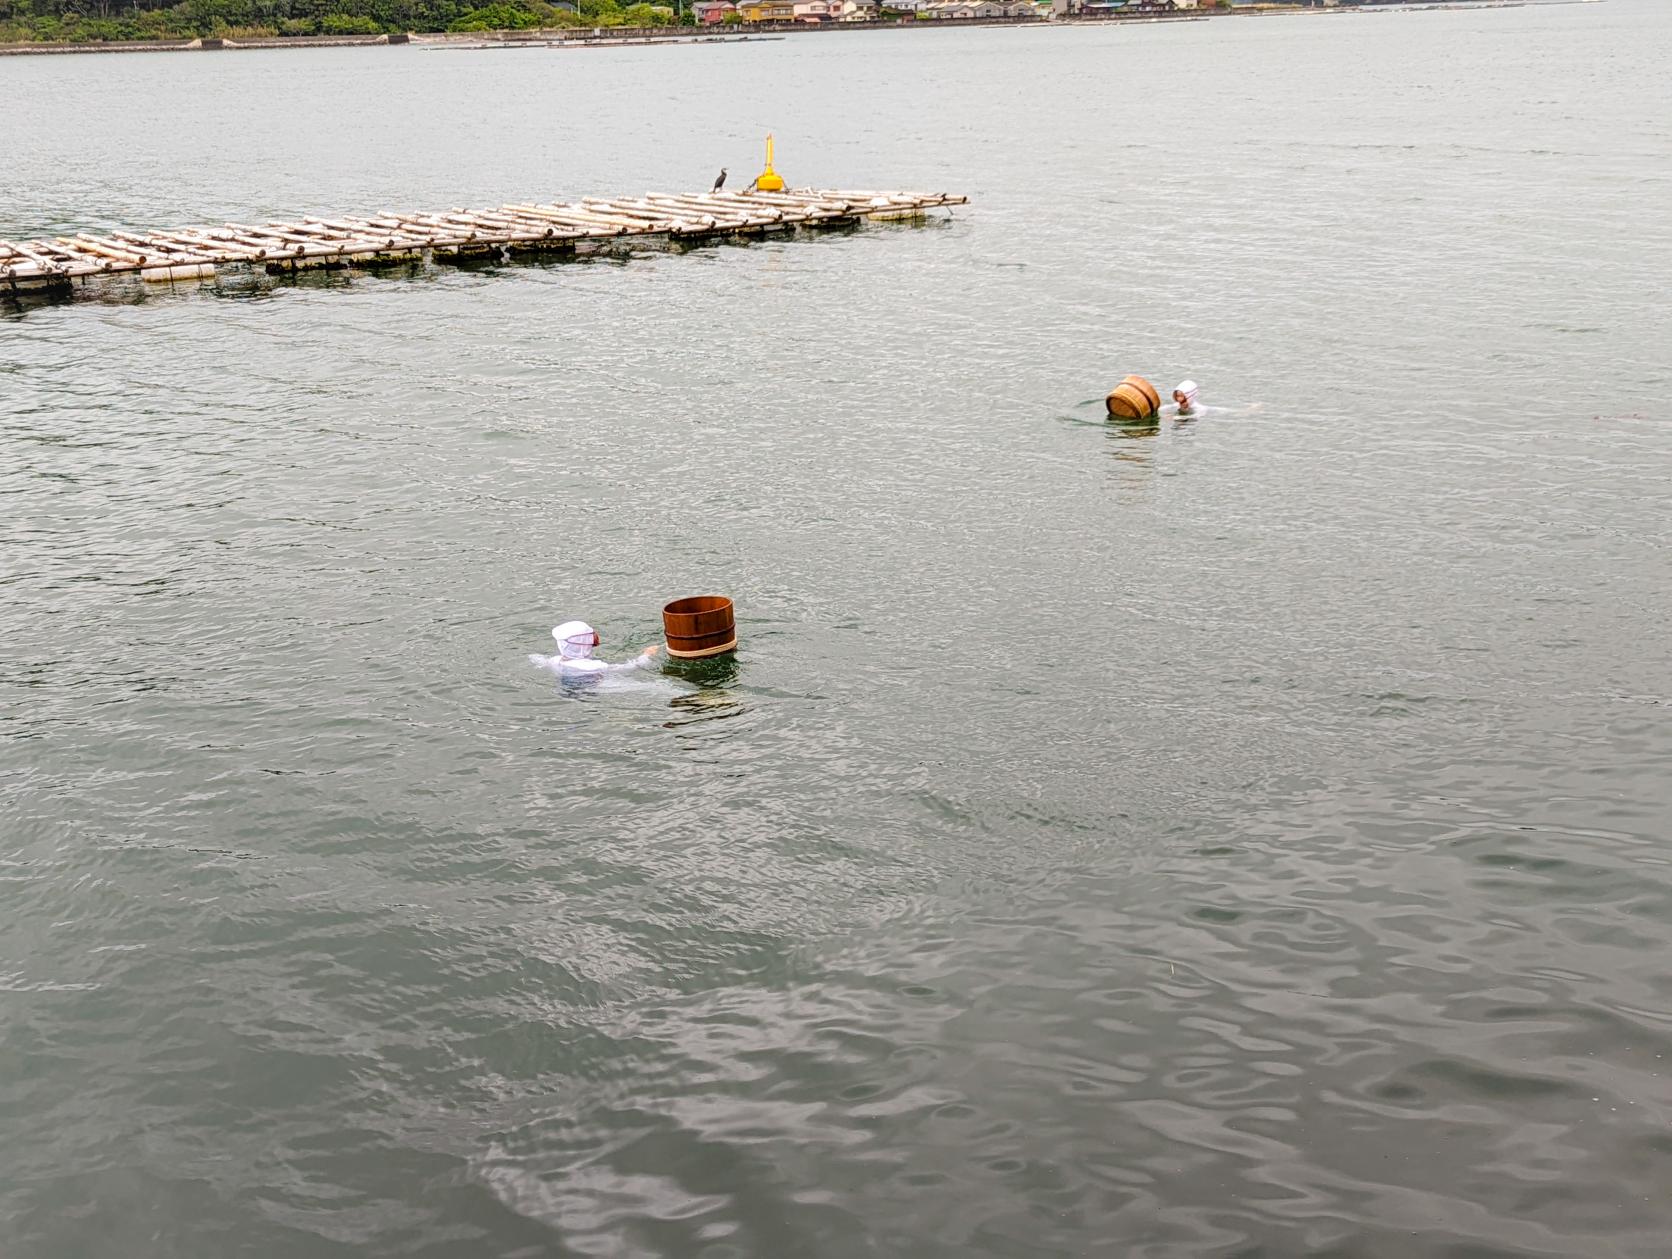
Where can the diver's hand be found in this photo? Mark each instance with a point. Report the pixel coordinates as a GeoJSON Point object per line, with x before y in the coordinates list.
{"type": "Point", "coordinates": [650, 651]}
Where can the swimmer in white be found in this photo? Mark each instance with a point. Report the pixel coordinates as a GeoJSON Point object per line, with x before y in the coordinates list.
{"type": "Point", "coordinates": [1185, 396]}
{"type": "Point", "coordinates": [575, 641]}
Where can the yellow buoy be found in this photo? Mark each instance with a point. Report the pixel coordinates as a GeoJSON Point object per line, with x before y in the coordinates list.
{"type": "Point", "coordinates": [1133, 399]}
{"type": "Point", "coordinates": [769, 180]}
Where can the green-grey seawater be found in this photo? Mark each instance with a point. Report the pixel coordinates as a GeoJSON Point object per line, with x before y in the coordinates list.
{"type": "Point", "coordinates": [1246, 838]}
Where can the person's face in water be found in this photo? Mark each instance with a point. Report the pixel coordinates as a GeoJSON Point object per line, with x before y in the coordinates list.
{"type": "Point", "coordinates": [1184, 402]}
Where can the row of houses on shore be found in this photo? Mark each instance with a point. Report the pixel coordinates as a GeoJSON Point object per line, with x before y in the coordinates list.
{"type": "Point", "coordinates": [715, 12]}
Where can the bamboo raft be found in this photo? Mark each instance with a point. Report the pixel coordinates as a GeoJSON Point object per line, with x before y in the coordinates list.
{"type": "Point", "coordinates": [63, 263]}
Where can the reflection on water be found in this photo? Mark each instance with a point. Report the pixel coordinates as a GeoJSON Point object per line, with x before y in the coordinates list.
{"type": "Point", "coordinates": [708, 672]}
{"type": "Point", "coordinates": [1133, 448]}
{"type": "Point", "coordinates": [1145, 448]}
{"type": "Point", "coordinates": [713, 697]}
{"type": "Point", "coordinates": [1134, 430]}
{"type": "Point", "coordinates": [1141, 448]}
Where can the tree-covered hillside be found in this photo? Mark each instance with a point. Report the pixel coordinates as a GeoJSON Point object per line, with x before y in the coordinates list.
{"type": "Point", "coordinates": [101, 20]}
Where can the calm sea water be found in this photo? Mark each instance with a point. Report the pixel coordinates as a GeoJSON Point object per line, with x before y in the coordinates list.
{"type": "Point", "coordinates": [1240, 839]}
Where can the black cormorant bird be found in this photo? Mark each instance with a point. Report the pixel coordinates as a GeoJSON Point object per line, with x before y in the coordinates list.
{"type": "Point", "coordinates": [720, 181]}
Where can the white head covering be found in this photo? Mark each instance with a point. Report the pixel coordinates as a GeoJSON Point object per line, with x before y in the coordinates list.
{"type": "Point", "coordinates": [1188, 389]}
{"type": "Point", "coordinates": [575, 640]}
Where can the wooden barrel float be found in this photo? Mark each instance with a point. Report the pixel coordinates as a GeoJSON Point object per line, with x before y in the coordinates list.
{"type": "Point", "coordinates": [1133, 399]}
{"type": "Point", "coordinates": [702, 625]}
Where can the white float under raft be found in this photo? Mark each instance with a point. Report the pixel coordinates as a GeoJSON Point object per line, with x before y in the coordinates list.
{"type": "Point", "coordinates": [65, 263]}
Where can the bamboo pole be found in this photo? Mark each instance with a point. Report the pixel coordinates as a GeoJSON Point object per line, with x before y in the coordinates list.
{"type": "Point", "coordinates": [586, 228]}
{"type": "Point", "coordinates": [296, 246]}
{"type": "Point", "coordinates": [689, 216]}
{"type": "Point", "coordinates": [817, 200]}
{"type": "Point", "coordinates": [478, 221]}
{"type": "Point", "coordinates": [436, 233]}
{"type": "Point", "coordinates": [345, 242]}
{"type": "Point", "coordinates": [534, 222]}
{"type": "Point", "coordinates": [228, 251]}
{"type": "Point", "coordinates": [452, 235]}
{"type": "Point", "coordinates": [218, 251]}
{"type": "Point", "coordinates": [92, 245]}
{"type": "Point", "coordinates": [734, 215]}
{"type": "Point", "coordinates": [160, 241]}
{"type": "Point", "coordinates": [80, 262]}
{"type": "Point", "coordinates": [686, 205]}
{"type": "Point", "coordinates": [580, 214]}
{"type": "Point", "coordinates": [507, 218]}
{"type": "Point", "coordinates": [368, 226]}
{"type": "Point", "coordinates": [43, 263]}
{"type": "Point", "coordinates": [660, 221]}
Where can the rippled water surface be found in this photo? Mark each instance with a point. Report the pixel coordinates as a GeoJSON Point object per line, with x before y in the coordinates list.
{"type": "Point", "coordinates": [1244, 838]}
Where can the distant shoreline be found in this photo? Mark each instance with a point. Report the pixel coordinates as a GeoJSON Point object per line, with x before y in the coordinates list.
{"type": "Point", "coordinates": [621, 35]}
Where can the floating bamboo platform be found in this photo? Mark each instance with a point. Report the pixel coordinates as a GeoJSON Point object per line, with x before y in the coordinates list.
{"type": "Point", "coordinates": [64, 263]}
